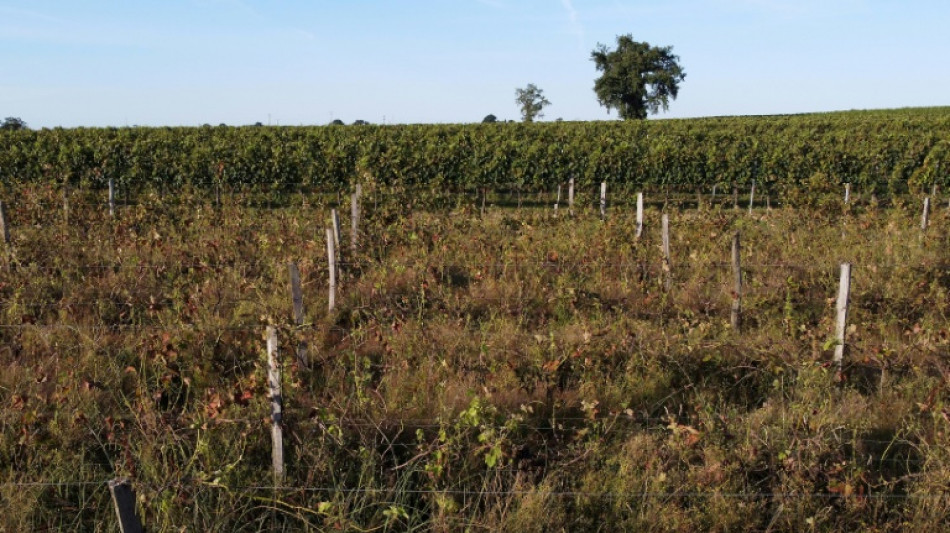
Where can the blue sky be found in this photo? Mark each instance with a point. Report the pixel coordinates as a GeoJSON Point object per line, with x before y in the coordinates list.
{"type": "Point", "coordinates": [188, 62]}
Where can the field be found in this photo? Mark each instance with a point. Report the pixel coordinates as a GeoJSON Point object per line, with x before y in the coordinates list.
{"type": "Point", "coordinates": [485, 368]}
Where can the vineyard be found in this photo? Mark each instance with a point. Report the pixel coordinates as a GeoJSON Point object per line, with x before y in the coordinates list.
{"type": "Point", "coordinates": [490, 362]}
{"type": "Point", "coordinates": [882, 152]}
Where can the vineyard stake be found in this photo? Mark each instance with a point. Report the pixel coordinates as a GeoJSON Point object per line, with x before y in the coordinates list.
{"type": "Point", "coordinates": [335, 221]}
{"type": "Point", "coordinates": [639, 214]}
{"type": "Point", "coordinates": [667, 264]}
{"type": "Point", "coordinates": [331, 265]}
{"type": "Point", "coordinates": [276, 406]}
{"type": "Point", "coordinates": [737, 290]}
{"type": "Point", "coordinates": [296, 296]}
{"type": "Point", "coordinates": [570, 195]}
{"type": "Point", "coordinates": [123, 499]}
{"type": "Point", "coordinates": [751, 196]}
{"type": "Point", "coordinates": [735, 196]}
{"type": "Point", "coordinates": [557, 200]}
{"type": "Point", "coordinates": [111, 198]}
{"type": "Point", "coordinates": [713, 199]}
{"type": "Point", "coordinates": [603, 200]}
{"type": "Point", "coordinates": [847, 193]}
{"type": "Point", "coordinates": [354, 219]}
{"type": "Point", "coordinates": [925, 217]}
{"type": "Point", "coordinates": [4, 229]}
{"type": "Point", "coordinates": [65, 204]}
{"type": "Point", "coordinates": [844, 290]}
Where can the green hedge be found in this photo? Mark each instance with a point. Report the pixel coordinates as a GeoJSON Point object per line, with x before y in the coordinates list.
{"type": "Point", "coordinates": [884, 151]}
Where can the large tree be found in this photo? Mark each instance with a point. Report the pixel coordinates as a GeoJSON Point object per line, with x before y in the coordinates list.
{"type": "Point", "coordinates": [637, 78]}
{"type": "Point", "coordinates": [13, 124]}
{"type": "Point", "coordinates": [532, 101]}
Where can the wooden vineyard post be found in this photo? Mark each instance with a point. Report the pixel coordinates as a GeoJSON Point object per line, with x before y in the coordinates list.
{"type": "Point", "coordinates": [737, 290]}
{"type": "Point", "coordinates": [331, 266]}
{"type": "Point", "coordinates": [355, 218]}
{"type": "Point", "coordinates": [4, 228]}
{"type": "Point", "coordinates": [667, 264]}
{"type": "Point", "coordinates": [735, 196]}
{"type": "Point", "coordinates": [276, 406]}
{"type": "Point", "coordinates": [557, 199]}
{"type": "Point", "coordinates": [296, 296]}
{"type": "Point", "coordinates": [639, 214]}
{"type": "Point", "coordinates": [713, 199]}
{"type": "Point", "coordinates": [123, 498]}
{"type": "Point", "coordinates": [844, 291]}
{"type": "Point", "coordinates": [847, 193]}
{"type": "Point", "coordinates": [65, 204]}
{"type": "Point", "coordinates": [111, 197]}
{"type": "Point", "coordinates": [925, 216]}
{"type": "Point", "coordinates": [570, 196]}
{"type": "Point", "coordinates": [603, 200]}
{"type": "Point", "coordinates": [484, 194]}
{"type": "Point", "coordinates": [751, 196]}
{"type": "Point", "coordinates": [335, 222]}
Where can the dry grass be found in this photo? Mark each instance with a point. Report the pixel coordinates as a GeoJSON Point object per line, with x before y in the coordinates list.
{"type": "Point", "coordinates": [517, 371]}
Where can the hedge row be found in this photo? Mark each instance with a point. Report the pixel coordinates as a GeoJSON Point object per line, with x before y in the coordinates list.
{"type": "Point", "coordinates": [887, 151]}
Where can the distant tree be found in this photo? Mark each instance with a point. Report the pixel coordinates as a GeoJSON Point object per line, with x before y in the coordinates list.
{"type": "Point", "coordinates": [489, 119]}
{"type": "Point", "coordinates": [13, 124]}
{"type": "Point", "coordinates": [360, 123]}
{"type": "Point", "coordinates": [637, 78]}
{"type": "Point", "coordinates": [258, 124]}
{"type": "Point", "coordinates": [337, 122]}
{"type": "Point", "coordinates": [532, 101]}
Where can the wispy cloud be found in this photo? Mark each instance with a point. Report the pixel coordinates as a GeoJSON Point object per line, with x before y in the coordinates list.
{"type": "Point", "coordinates": [577, 28]}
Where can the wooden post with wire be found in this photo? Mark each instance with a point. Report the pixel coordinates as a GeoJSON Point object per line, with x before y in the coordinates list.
{"type": "Point", "coordinates": [111, 197]}
{"type": "Point", "coordinates": [276, 406]}
{"type": "Point", "coordinates": [557, 200]}
{"type": "Point", "coordinates": [603, 200]}
{"type": "Point", "coordinates": [123, 498]}
{"type": "Point", "coordinates": [331, 267]}
{"type": "Point", "coordinates": [737, 289]}
{"type": "Point", "coordinates": [847, 193]}
{"type": "Point", "coordinates": [751, 196]}
{"type": "Point", "coordinates": [667, 263]}
{"type": "Point", "coordinates": [570, 196]}
{"type": "Point", "coordinates": [841, 325]}
{"type": "Point", "coordinates": [335, 222]}
{"type": "Point", "coordinates": [4, 228]}
{"type": "Point", "coordinates": [355, 218]}
{"type": "Point", "coordinates": [296, 296]}
{"type": "Point", "coordinates": [925, 216]}
{"type": "Point", "coordinates": [639, 214]}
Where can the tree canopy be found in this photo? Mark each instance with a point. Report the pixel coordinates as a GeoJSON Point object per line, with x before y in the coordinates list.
{"type": "Point", "coordinates": [532, 101]}
{"type": "Point", "coordinates": [13, 124]}
{"type": "Point", "coordinates": [637, 78]}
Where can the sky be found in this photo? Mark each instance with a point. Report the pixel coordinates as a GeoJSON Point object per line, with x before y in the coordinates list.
{"type": "Point", "coordinates": [190, 62]}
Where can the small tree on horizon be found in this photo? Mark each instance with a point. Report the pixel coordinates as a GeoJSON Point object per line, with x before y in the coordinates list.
{"type": "Point", "coordinates": [489, 119]}
{"type": "Point", "coordinates": [13, 124]}
{"type": "Point", "coordinates": [532, 101]}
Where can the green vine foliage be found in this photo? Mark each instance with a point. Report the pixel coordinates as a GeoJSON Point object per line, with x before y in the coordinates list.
{"type": "Point", "coordinates": [883, 151]}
